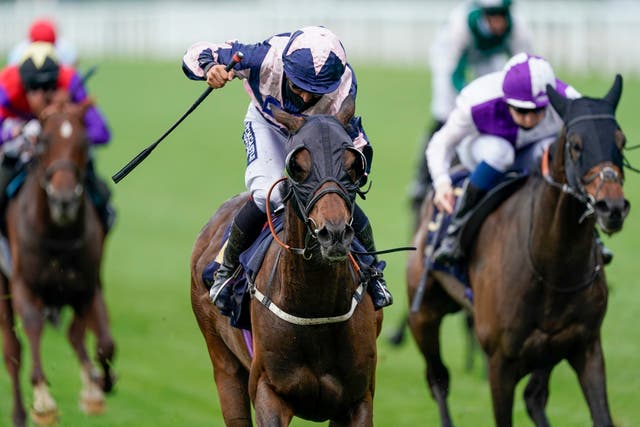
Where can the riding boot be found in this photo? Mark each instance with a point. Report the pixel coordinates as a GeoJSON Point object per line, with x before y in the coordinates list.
{"type": "Point", "coordinates": [377, 286]}
{"type": "Point", "coordinates": [100, 195]}
{"type": "Point", "coordinates": [450, 251]}
{"type": "Point", "coordinates": [245, 228]}
{"type": "Point", "coordinates": [607, 254]}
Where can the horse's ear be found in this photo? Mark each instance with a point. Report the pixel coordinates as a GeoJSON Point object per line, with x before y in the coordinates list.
{"type": "Point", "coordinates": [291, 122]}
{"type": "Point", "coordinates": [613, 96]}
{"type": "Point", "coordinates": [347, 110]}
{"type": "Point", "coordinates": [558, 101]}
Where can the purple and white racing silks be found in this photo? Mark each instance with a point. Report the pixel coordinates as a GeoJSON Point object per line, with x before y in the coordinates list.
{"type": "Point", "coordinates": [482, 113]}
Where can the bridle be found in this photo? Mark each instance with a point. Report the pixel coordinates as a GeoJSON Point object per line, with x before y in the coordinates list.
{"type": "Point", "coordinates": [605, 173]}
{"type": "Point", "coordinates": [56, 166]}
{"type": "Point", "coordinates": [578, 191]}
{"type": "Point", "coordinates": [305, 252]}
{"type": "Point", "coordinates": [304, 211]}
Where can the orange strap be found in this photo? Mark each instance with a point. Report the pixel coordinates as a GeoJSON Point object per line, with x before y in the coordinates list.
{"type": "Point", "coordinates": [544, 164]}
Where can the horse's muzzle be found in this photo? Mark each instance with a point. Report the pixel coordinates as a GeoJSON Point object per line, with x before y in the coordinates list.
{"type": "Point", "coordinates": [611, 213]}
{"type": "Point", "coordinates": [335, 241]}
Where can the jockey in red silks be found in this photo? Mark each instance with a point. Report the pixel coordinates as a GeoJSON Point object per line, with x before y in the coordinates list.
{"type": "Point", "coordinates": [304, 73]}
{"type": "Point", "coordinates": [26, 88]}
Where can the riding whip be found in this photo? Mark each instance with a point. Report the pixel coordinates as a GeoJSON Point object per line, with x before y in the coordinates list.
{"type": "Point", "coordinates": [237, 57]}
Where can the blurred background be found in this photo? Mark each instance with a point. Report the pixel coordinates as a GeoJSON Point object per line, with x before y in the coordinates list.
{"type": "Point", "coordinates": [164, 371]}
{"type": "Point", "coordinates": [579, 35]}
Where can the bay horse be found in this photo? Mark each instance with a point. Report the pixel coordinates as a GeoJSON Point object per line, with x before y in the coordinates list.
{"type": "Point", "coordinates": [313, 350]}
{"type": "Point", "coordinates": [56, 245]}
{"type": "Point", "coordinates": [539, 287]}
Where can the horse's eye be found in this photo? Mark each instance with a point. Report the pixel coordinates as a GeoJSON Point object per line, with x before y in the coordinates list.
{"type": "Point", "coordinates": [354, 164]}
{"type": "Point", "coordinates": [575, 144]}
{"type": "Point", "coordinates": [298, 164]}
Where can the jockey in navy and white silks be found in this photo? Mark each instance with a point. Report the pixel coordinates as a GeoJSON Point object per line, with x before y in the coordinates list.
{"type": "Point", "coordinates": [500, 120]}
{"type": "Point", "coordinates": [304, 72]}
{"type": "Point", "coordinates": [263, 70]}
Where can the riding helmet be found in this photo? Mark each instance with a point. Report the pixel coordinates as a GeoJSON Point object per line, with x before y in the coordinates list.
{"type": "Point", "coordinates": [39, 67]}
{"type": "Point", "coordinates": [314, 60]}
{"type": "Point", "coordinates": [525, 81]}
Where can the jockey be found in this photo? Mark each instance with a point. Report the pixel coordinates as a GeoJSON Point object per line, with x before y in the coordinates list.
{"type": "Point", "coordinates": [501, 120]}
{"type": "Point", "coordinates": [479, 37]}
{"type": "Point", "coordinates": [303, 73]}
{"type": "Point", "coordinates": [25, 90]}
{"type": "Point", "coordinates": [44, 30]}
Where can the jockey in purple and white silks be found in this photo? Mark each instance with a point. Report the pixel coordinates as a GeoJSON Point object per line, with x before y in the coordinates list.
{"type": "Point", "coordinates": [478, 38]}
{"type": "Point", "coordinates": [306, 73]}
{"type": "Point", "coordinates": [501, 121]}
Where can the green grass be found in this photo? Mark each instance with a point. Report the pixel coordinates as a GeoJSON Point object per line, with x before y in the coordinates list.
{"type": "Point", "coordinates": [165, 377]}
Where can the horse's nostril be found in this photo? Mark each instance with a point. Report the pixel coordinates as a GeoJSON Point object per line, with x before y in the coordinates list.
{"type": "Point", "coordinates": [323, 235]}
{"type": "Point", "coordinates": [602, 207]}
{"type": "Point", "coordinates": [331, 234]}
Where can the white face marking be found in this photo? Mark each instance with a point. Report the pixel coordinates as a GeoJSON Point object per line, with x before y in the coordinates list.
{"type": "Point", "coordinates": [66, 129]}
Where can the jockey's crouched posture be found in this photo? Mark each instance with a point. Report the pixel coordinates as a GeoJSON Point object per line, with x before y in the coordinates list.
{"type": "Point", "coordinates": [26, 89]}
{"type": "Point", "coordinates": [502, 120]}
{"type": "Point", "coordinates": [303, 73]}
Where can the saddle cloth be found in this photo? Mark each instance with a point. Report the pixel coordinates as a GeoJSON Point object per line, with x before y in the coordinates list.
{"type": "Point", "coordinates": [251, 262]}
{"type": "Point", "coordinates": [439, 221]}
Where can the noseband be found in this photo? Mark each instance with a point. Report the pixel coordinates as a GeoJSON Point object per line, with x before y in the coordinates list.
{"type": "Point", "coordinates": [304, 211]}
{"type": "Point", "coordinates": [318, 194]}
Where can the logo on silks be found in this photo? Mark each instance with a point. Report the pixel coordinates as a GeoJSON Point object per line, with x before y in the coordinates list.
{"type": "Point", "coordinates": [249, 139]}
{"type": "Point", "coordinates": [326, 143]}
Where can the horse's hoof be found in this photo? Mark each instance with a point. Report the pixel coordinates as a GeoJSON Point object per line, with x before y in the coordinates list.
{"type": "Point", "coordinates": [45, 418]}
{"type": "Point", "coordinates": [92, 406]}
{"type": "Point", "coordinates": [108, 382]}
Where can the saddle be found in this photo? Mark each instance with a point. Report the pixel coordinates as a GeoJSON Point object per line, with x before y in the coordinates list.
{"type": "Point", "coordinates": [440, 220]}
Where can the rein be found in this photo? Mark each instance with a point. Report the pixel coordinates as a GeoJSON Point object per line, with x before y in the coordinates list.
{"type": "Point", "coordinates": [567, 190]}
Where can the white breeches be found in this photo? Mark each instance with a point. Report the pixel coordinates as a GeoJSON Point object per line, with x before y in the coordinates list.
{"type": "Point", "coordinates": [265, 147]}
{"type": "Point", "coordinates": [498, 153]}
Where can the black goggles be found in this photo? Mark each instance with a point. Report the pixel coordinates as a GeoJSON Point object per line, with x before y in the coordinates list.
{"type": "Point", "coordinates": [46, 86]}
{"type": "Point", "coordinates": [525, 111]}
{"type": "Point", "coordinates": [496, 11]}
{"type": "Point", "coordinates": [297, 88]}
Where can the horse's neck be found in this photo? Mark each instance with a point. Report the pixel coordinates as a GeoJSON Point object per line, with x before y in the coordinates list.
{"type": "Point", "coordinates": [559, 237]}
{"type": "Point", "coordinates": [325, 285]}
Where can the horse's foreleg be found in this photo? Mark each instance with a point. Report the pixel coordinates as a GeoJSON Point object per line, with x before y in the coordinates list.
{"type": "Point", "coordinates": [589, 366]}
{"type": "Point", "coordinates": [535, 396]}
{"type": "Point", "coordinates": [31, 311]}
{"type": "Point", "coordinates": [91, 395]}
{"type": "Point", "coordinates": [502, 379]}
{"type": "Point", "coordinates": [425, 326]}
{"type": "Point", "coordinates": [271, 410]}
{"type": "Point", "coordinates": [12, 357]}
{"type": "Point", "coordinates": [105, 346]}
